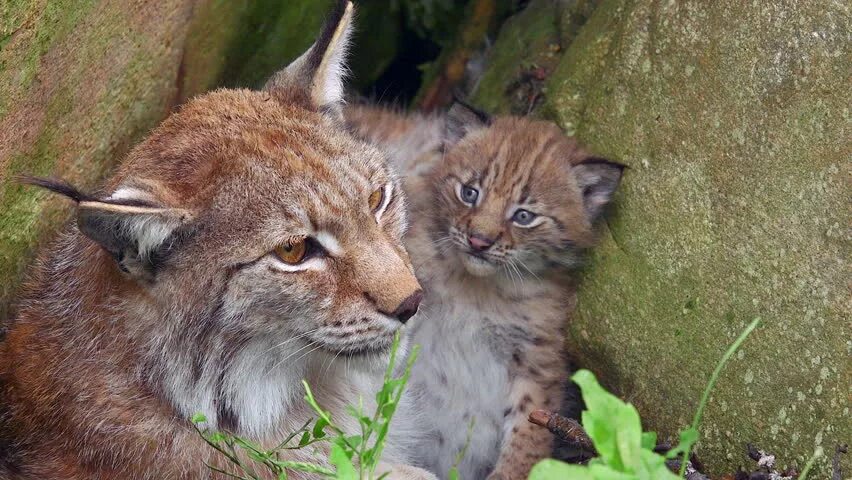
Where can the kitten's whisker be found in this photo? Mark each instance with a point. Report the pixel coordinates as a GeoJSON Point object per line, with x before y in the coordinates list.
{"type": "Point", "coordinates": [507, 265]}
{"type": "Point", "coordinates": [521, 262]}
{"type": "Point", "coordinates": [517, 272]}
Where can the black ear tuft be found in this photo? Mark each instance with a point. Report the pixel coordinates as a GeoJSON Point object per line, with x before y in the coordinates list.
{"type": "Point", "coordinates": [326, 35]}
{"type": "Point", "coordinates": [321, 70]}
{"type": "Point", "coordinates": [133, 231]}
{"type": "Point", "coordinates": [57, 186]}
{"type": "Point", "coordinates": [598, 178]}
{"type": "Point", "coordinates": [463, 119]}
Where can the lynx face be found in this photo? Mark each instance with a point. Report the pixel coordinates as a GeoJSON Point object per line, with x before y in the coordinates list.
{"type": "Point", "coordinates": [295, 228]}
{"type": "Point", "coordinates": [516, 195]}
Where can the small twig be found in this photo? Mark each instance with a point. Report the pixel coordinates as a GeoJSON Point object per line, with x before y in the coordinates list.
{"type": "Point", "coordinates": [563, 427]}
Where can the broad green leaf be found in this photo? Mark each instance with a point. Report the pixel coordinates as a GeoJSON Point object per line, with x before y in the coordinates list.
{"type": "Point", "coordinates": [629, 437]}
{"type": "Point", "coordinates": [649, 440]}
{"type": "Point", "coordinates": [614, 426]}
{"type": "Point", "coordinates": [198, 418]}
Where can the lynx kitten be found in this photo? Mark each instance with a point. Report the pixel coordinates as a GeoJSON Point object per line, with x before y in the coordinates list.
{"type": "Point", "coordinates": [502, 210]}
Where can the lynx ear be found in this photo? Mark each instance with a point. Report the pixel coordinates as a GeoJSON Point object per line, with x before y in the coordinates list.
{"type": "Point", "coordinates": [133, 231]}
{"type": "Point", "coordinates": [463, 119]}
{"type": "Point", "coordinates": [597, 178]}
{"type": "Point", "coordinates": [322, 69]}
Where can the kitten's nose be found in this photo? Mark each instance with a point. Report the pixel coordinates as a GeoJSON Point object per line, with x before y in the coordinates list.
{"type": "Point", "coordinates": [408, 307]}
{"type": "Point", "coordinates": [479, 242]}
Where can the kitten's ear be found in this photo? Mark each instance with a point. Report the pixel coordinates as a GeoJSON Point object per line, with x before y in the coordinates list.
{"type": "Point", "coordinates": [322, 68]}
{"type": "Point", "coordinates": [597, 178]}
{"type": "Point", "coordinates": [133, 231]}
{"type": "Point", "coordinates": [463, 119]}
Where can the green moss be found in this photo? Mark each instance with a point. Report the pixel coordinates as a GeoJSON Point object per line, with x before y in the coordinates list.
{"type": "Point", "coordinates": [40, 27]}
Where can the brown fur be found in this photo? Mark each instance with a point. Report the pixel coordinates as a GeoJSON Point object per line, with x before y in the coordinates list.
{"type": "Point", "coordinates": [150, 307]}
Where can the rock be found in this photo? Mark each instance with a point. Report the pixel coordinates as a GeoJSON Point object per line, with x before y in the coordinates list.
{"type": "Point", "coordinates": [81, 82]}
{"type": "Point", "coordinates": [734, 119]}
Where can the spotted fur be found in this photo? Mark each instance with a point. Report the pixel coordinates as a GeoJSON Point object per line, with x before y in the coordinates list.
{"type": "Point", "coordinates": [497, 292]}
{"type": "Point", "coordinates": [164, 298]}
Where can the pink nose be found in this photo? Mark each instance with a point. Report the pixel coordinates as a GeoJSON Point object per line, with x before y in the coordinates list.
{"type": "Point", "coordinates": [478, 242]}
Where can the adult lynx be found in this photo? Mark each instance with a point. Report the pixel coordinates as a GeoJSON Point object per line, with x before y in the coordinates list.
{"type": "Point", "coordinates": [249, 242]}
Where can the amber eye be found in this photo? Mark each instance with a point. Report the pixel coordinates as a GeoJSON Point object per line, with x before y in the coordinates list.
{"type": "Point", "coordinates": [376, 199]}
{"type": "Point", "coordinates": [292, 251]}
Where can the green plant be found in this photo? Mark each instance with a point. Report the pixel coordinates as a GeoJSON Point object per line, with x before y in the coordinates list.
{"type": "Point", "coordinates": [454, 470]}
{"type": "Point", "coordinates": [817, 453]}
{"type": "Point", "coordinates": [625, 452]}
{"type": "Point", "coordinates": [353, 456]}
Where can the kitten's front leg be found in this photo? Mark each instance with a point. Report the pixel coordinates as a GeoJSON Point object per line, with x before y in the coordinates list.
{"type": "Point", "coordinates": [524, 443]}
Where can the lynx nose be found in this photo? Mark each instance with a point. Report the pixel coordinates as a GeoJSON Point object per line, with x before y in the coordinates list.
{"type": "Point", "coordinates": [479, 242]}
{"type": "Point", "coordinates": [408, 307]}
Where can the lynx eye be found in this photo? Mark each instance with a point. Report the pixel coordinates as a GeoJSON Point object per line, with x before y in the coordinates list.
{"type": "Point", "coordinates": [379, 200]}
{"type": "Point", "coordinates": [376, 199]}
{"type": "Point", "coordinates": [292, 251]}
{"type": "Point", "coordinates": [523, 217]}
{"type": "Point", "coordinates": [468, 194]}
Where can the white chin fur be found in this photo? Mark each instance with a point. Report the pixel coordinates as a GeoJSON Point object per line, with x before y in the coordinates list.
{"type": "Point", "coordinates": [477, 266]}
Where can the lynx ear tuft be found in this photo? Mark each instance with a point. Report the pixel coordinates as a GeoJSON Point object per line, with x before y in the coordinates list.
{"type": "Point", "coordinates": [462, 119]}
{"type": "Point", "coordinates": [322, 69]}
{"type": "Point", "coordinates": [56, 186]}
{"type": "Point", "coordinates": [598, 179]}
{"type": "Point", "coordinates": [133, 230]}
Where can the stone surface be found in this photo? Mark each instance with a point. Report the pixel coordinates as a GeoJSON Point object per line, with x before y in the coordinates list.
{"type": "Point", "coordinates": [734, 119]}
{"type": "Point", "coordinates": [82, 80]}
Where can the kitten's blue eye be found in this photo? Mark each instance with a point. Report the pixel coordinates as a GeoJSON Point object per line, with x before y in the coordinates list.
{"type": "Point", "coordinates": [523, 217]}
{"type": "Point", "coordinates": [469, 194]}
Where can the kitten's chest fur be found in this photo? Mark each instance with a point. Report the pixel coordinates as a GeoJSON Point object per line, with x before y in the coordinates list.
{"type": "Point", "coordinates": [474, 343]}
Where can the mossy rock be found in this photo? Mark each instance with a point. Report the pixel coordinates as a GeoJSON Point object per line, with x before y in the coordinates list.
{"type": "Point", "coordinates": [734, 119]}
{"type": "Point", "coordinates": [81, 81]}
